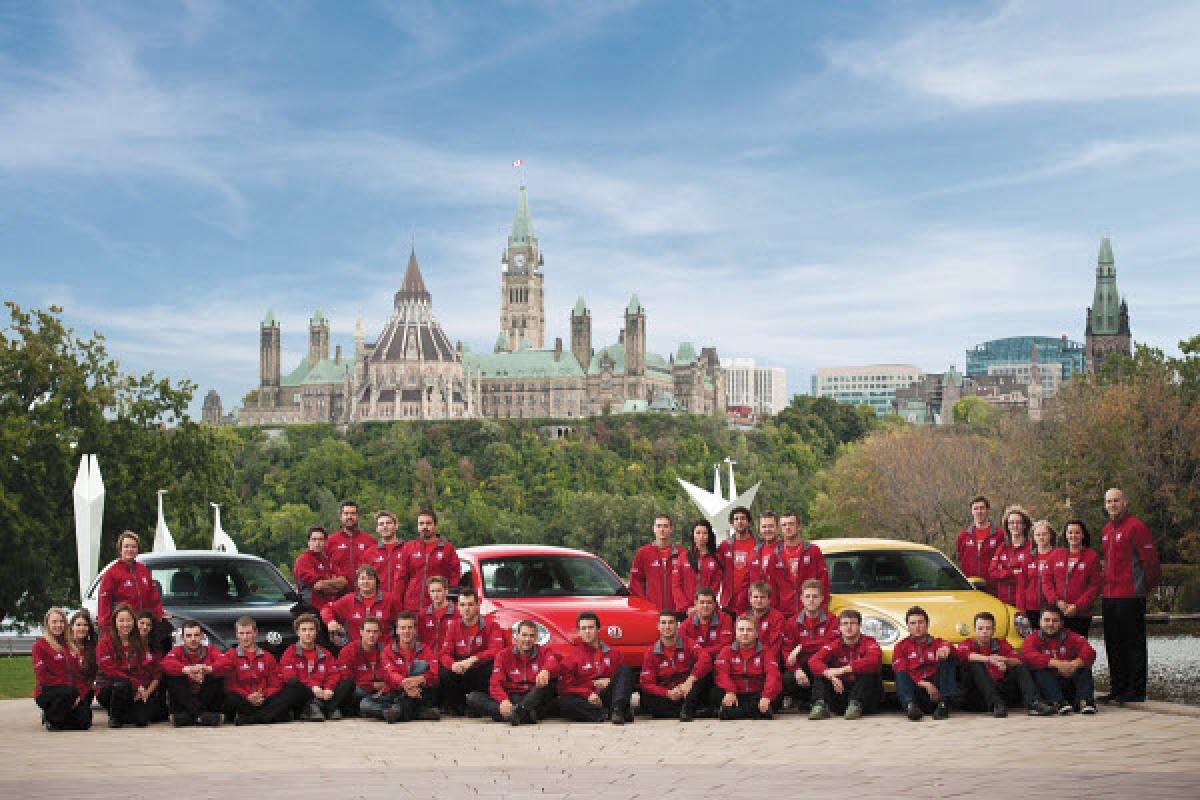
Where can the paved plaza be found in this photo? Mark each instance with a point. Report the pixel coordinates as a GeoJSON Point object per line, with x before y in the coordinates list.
{"type": "Point", "coordinates": [1119, 753]}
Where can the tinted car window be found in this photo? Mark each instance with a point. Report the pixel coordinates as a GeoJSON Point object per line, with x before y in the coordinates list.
{"type": "Point", "coordinates": [893, 571]}
{"type": "Point", "coordinates": [549, 576]}
{"type": "Point", "coordinates": [218, 583]}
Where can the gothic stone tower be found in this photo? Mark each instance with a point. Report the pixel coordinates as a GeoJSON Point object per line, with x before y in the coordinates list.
{"type": "Point", "coordinates": [581, 334]}
{"type": "Point", "coordinates": [635, 338]}
{"type": "Point", "coordinates": [318, 338]}
{"type": "Point", "coordinates": [1107, 329]}
{"type": "Point", "coordinates": [268, 362]}
{"type": "Point", "coordinates": [522, 304]}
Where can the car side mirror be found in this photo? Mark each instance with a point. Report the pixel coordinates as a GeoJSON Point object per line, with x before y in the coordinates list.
{"type": "Point", "coordinates": [979, 583]}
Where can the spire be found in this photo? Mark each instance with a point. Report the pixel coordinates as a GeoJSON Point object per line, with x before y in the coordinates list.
{"type": "Point", "coordinates": [1104, 315]}
{"type": "Point", "coordinates": [580, 307]}
{"type": "Point", "coordinates": [318, 317]}
{"type": "Point", "coordinates": [1105, 256]}
{"type": "Point", "coordinates": [522, 229]}
{"type": "Point", "coordinates": [412, 288]}
{"type": "Point", "coordinates": [270, 321]}
{"type": "Point", "coordinates": [635, 306]}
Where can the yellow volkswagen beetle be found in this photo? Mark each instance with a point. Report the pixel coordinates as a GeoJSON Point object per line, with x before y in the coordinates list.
{"type": "Point", "coordinates": [883, 578]}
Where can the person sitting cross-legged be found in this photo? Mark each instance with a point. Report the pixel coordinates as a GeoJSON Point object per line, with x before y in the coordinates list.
{"type": "Point", "coordinates": [314, 668]}
{"type": "Point", "coordinates": [995, 674]}
{"type": "Point", "coordinates": [672, 673]}
{"type": "Point", "coordinates": [593, 684]}
{"type": "Point", "coordinates": [254, 689]}
{"type": "Point", "coordinates": [412, 674]}
{"type": "Point", "coordinates": [1061, 662]}
{"type": "Point", "coordinates": [748, 673]}
{"type": "Point", "coordinates": [195, 692]}
{"type": "Point", "coordinates": [925, 670]}
{"type": "Point", "coordinates": [847, 672]}
{"type": "Point", "coordinates": [520, 690]}
{"type": "Point", "coordinates": [803, 636]}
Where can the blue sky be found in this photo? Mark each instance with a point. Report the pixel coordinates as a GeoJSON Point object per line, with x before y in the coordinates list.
{"type": "Point", "coordinates": [807, 183]}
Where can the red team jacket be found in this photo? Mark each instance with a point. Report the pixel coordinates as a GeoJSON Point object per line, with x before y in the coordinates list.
{"type": "Point", "coordinates": [1004, 573]}
{"type": "Point", "coordinates": [580, 665]}
{"type": "Point", "coordinates": [60, 668]}
{"type": "Point", "coordinates": [1035, 582]}
{"type": "Point", "coordinates": [650, 575]}
{"type": "Point", "coordinates": [173, 662]}
{"type": "Point", "coordinates": [1131, 566]}
{"type": "Point", "coordinates": [1038, 649]}
{"type": "Point", "coordinates": [390, 566]}
{"type": "Point", "coordinates": [114, 662]}
{"type": "Point", "coordinates": [245, 674]}
{"type": "Point", "coordinates": [664, 669]}
{"type": "Point", "coordinates": [685, 580]}
{"type": "Point", "coordinates": [442, 560]}
{"type": "Point", "coordinates": [351, 609]}
{"type": "Point", "coordinates": [811, 633]}
{"type": "Point", "coordinates": [713, 637]}
{"type": "Point", "coordinates": [1080, 584]}
{"type": "Point", "coordinates": [403, 663]}
{"type": "Point", "coordinates": [771, 627]}
{"type": "Point", "coordinates": [864, 657]}
{"type": "Point", "coordinates": [347, 551]}
{"type": "Point", "coordinates": [514, 673]}
{"type": "Point", "coordinates": [484, 640]}
{"type": "Point", "coordinates": [322, 672]}
{"type": "Point", "coordinates": [999, 647]}
{"type": "Point", "coordinates": [754, 671]}
{"type": "Point", "coordinates": [312, 567]}
{"type": "Point", "coordinates": [918, 657]}
{"type": "Point", "coordinates": [433, 625]}
{"type": "Point", "coordinates": [736, 602]}
{"type": "Point", "coordinates": [787, 573]}
{"type": "Point", "coordinates": [130, 584]}
{"type": "Point", "coordinates": [974, 556]}
{"type": "Point", "coordinates": [364, 667]}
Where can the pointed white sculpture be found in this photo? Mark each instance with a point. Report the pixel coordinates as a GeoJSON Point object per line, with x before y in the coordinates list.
{"type": "Point", "coordinates": [222, 542]}
{"type": "Point", "coordinates": [89, 519]}
{"type": "Point", "coordinates": [163, 541]}
{"type": "Point", "coordinates": [716, 508]}
{"type": "Point", "coordinates": [717, 481]}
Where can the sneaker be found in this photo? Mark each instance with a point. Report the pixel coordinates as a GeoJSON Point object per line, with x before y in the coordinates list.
{"type": "Point", "coordinates": [182, 719]}
{"type": "Point", "coordinates": [1088, 709]}
{"type": "Point", "coordinates": [725, 712]}
{"type": "Point", "coordinates": [1039, 709]}
{"type": "Point", "coordinates": [853, 711]}
{"type": "Point", "coordinates": [141, 723]}
{"type": "Point", "coordinates": [914, 712]}
{"type": "Point", "coordinates": [686, 714]}
{"type": "Point", "coordinates": [335, 715]}
{"type": "Point", "coordinates": [209, 719]}
{"type": "Point", "coordinates": [312, 713]}
{"type": "Point", "coordinates": [617, 717]}
{"type": "Point", "coordinates": [393, 715]}
{"type": "Point", "coordinates": [999, 710]}
{"type": "Point", "coordinates": [942, 711]}
{"type": "Point", "coordinates": [428, 714]}
{"type": "Point", "coordinates": [113, 722]}
{"type": "Point", "coordinates": [788, 704]}
{"type": "Point", "coordinates": [819, 711]}
{"type": "Point", "coordinates": [514, 718]}
{"type": "Point", "coordinates": [1064, 709]}
{"type": "Point", "coordinates": [768, 714]}
{"type": "Point", "coordinates": [629, 714]}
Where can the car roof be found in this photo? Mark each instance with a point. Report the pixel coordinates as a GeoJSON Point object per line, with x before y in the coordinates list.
{"type": "Point", "coordinates": [498, 550]}
{"type": "Point", "coordinates": [150, 559]}
{"type": "Point", "coordinates": [849, 545]}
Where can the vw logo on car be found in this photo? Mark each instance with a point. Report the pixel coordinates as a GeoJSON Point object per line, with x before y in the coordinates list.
{"type": "Point", "coordinates": [274, 638]}
{"type": "Point", "coordinates": [615, 632]}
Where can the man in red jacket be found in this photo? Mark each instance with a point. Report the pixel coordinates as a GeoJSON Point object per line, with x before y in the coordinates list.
{"type": "Point", "coordinates": [1061, 662]}
{"type": "Point", "coordinates": [363, 685]}
{"type": "Point", "coordinates": [254, 688]}
{"type": "Point", "coordinates": [520, 690]}
{"type": "Point", "coordinates": [468, 653]}
{"type": "Point", "coordinates": [995, 674]}
{"type": "Point", "coordinates": [348, 547]}
{"type": "Point", "coordinates": [1131, 571]}
{"type": "Point", "coordinates": [803, 636]}
{"type": "Point", "coordinates": [422, 558]}
{"type": "Point", "coordinates": [925, 669]}
{"type": "Point", "coordinates": [847, 672]}
{"type": "Point", "coordinates": [593, 684]}
{"type": "Point", "coordinates": [316, 578]}
{"type": "Point", "coordinates": [748, 674]}
{"type": "Point", "coordinates": [712, 629]}
{"type": "Point", "coordinates": [345, 617]}
{"type": "Point", "coordinates": [654, 564]}
{"type": "Point", "coordinates": [194, 690]}
{"type": "Point", "coordinates": [736, 554]}
{"type": "Point", "coordinates": [412, 674]}
{"type": "Point", "coordinates": [978, 542]}
{"type": "Point", "coordinates": [672, 671]}
{"type": "Point", "coordinates": [385, 555]}
{"type": "Point", "coordinates": [435, 617]}
{"type": "Point", "coordinates": [797, 561]}
{"type": "Point", "coordinates": [771, 623]}
{"type": "Point", "coordinates": [314, 669]}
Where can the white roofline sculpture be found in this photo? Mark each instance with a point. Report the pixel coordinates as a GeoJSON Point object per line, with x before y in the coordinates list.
{"type": "Point", "coordinates": [222, 541]}
{"type": "Point", "coordinates": [164, 542]}
{"type": "Point", "coordinates": [713, 506]}
{"type": "Point", "coordinates": [89, 519]}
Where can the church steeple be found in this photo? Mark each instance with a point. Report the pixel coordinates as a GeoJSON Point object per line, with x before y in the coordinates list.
{"type": "Point", "coordinates": [522, 301]}
{"type": "Point", "coordinates": [522, 229]}
{"type": "Point", "coordinates": [1107, 326]}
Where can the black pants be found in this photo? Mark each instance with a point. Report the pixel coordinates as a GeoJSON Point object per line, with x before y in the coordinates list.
{"type": "Point", "coordinates": [746, 708]}
{"type": "Point", "coordinates": [118, 697]}
{"type": "Point", "coordinates": [327, 706]}
{"type": "Point", "coordinates": [454, 688]}
{"type": "Point", "coordinates": [62, 712]}
{"type": "Point", "coordinates": [792, 687]}
{"type": "Point", "coordinates": [1080, 625]}
{"type": "Point", "coordinates": [982, 693]}
{"type": "Point", "coordinates": [277, 708]}
{"type": "Point", "coordinates": [615, 697]}
{"type": "Point", "coordinates": [347, 697]}
{"type": "Point", "coordinates": [866, 690]}
{"type": "Point", "coordinates": [209, 698]}
{"type": "Point", "coordinates": [537, 699]}
{"type": "Point", "coordinates": [664, 708]}
{"type": "Point", "coordinates": [1125, 643]}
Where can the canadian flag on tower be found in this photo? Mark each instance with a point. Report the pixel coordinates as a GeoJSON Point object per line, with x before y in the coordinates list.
{"type": "Point", "coordinates": [518, 163]}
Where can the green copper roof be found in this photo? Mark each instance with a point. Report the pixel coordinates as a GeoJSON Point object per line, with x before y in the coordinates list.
{"type": "Point", "coordinates": [1106, 256]}
{"type": "Point", "coordinates": [580, 307]}
{"type": "Point", "coordinates": [524, 363]}
{"type": "Point", "coordinates": [635, 306]}
{"type": "Point", "coordinates": [318, 317]}
{"type": "Point", "coordinates": [686, 353]}
{"type": "Point", "coordinates": [326, 371]}
{"type": "Point", "coordinates": [269, 321]}
{"type": "Point", "coordinates": [522, 229]}
{"type": "Point", "coordinates": [501, 343]}
{"type": "Point", "coordinates": [616, 352]}
{"type": "Point", "coordinates": [1104, 315]}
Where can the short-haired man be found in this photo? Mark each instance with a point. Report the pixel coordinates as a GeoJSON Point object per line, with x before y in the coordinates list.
{"type": "Point", "coordinates": [385, 555]}
{"type": "Point", "coordinates": [1131, 571]}
{"type": "Point", "coordinates": [653, 565]}
{"type": "Point", "coordinates": [254, 689]}
{"type": "Point", "coordinates": [467, 654]}
{"type": "Point", "coordinates": [435, 617]}
{"type": "Point", "coordinates": [363, 686]}
{"type": "Point", "coordinates": [425, 556]}
{"type": "Point", "coordinates": [925, 669]}
{"type": "Point", "coordinates": [345, 617]}
{"type": "Point", "coordinates": [593, 684]}
{"type": "Point", "coordinates": [672, 670]}
{"type": "Point", "coordinates": [194, 690]}
{"type": "Point", "coordinates": [314, 668]}
{"type": "Point", "coordinates": [1061, 663]}
{"type": "Point", "coordinates": [318, 581]}
{"type": "Point", "coordinates": [803, 636]}
{"type": "Point", "coordinates": [712, 629]}
{"type": "Point", "coordinates": [412, 674]}
{"type": "Point", "coordinates": [349, 547]}
{"type": "Point", "coordinates": [847, 672]}
{"type": "Point", "coordinates": [748, 673]}
{"type": "Point", "coordinates": [796, 562]}
{"type": "Point", "coordinates": [995, 674]}
{"type": "Point", "coordinates": [736, 553]}
{"type": "Point", "coordinates": [520, 690]}
{"type": "Point", "coordinates": [766, 551]}
{"type": "Point", "coordinates": [771, 623]}
{"type": "Point", "coordinates": [979, 541]}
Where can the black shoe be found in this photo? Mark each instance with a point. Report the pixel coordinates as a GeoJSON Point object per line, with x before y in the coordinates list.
{"type": "Point", "coordinates": [428, 714]}
{"type": "Point", "coordinates": [629, 714]}
{"type": "Point", "coordinates": [1064, 709]}
{"type": "Point", "coordinates": [457, 711]}
{"type": "Point", "coordinates": [394, 714]}
{"type": "Point", "coordinates": [246, 719]}
{"type": "Point", "coordinates": [210, 719]}
{"type": "Point", "coordinates": [617, 717]}
{"type": "Point", "coordinates": [1039, 709]}
{"type": "Point", "coordinates": [914, 712]}
{"type": "Point", "coordinates": [141, 723]}
{"type": "Point", "coordinates": [335, 715]}
{"type": "Point", "coordinates": [686, 714]}
{"type": "Point", "coordinates": [725, 712]}
{"type": "Point", "coordinates": [531, 717]}
{"type": "Point", "coordinates": [942, 711]}
{"type": "Point", "coordinates": [113, 722]}
{"type": "Point", "coordinates": [182, 719]}
{"type": "Point", "coordinates": [1106, 699]}
{"type": "Point", "coordinates": [768, 714]}
{"type": "Point", "coordinates": [1132, 698]}
{"type": "Point", "coordinates": [514, 718]}
{"type": "Point", "coordinates": [312, 713]}
{"type": "Point", "coordinates": [999, 710]}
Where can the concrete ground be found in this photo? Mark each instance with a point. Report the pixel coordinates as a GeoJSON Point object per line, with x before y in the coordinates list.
{"type": "Point", "coordinates": [1119, 753]}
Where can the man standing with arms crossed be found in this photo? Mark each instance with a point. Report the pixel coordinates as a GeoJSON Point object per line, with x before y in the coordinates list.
{"type": "Point", "coordinates": [385, 555]}
{"type": "Point", "coordinates": [348, 547]}
{"type": "Point", "coordinates": [422, 558]}
{"type": "Point", "coordinates": [1131, 571]}
{"type": "Point", "coordinates": [653, 565]}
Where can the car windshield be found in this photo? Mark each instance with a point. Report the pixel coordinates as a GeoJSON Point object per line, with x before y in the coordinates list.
{"type": "Point", "coordinates": [892, 571]}
{"type": "Point", "coordinates": [218, 583]}
{"type": "Point", "coordinates": [549, 576]}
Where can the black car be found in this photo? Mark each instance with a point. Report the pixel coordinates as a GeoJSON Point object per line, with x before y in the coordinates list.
{"type": "Point", "coordinates": [215, 589]}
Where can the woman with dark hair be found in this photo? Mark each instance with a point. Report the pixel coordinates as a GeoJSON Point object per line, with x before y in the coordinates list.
{"type": "Point", "coordinates": [63, 687]}
{"type": "Point", "coordinates": [156, 703]}
{"type": "Point", "coordinates": [1011, 557]}
{"type": "Point", "coordinates": [81, 631]}
{"type": "Point", "coordinates": [1035, 585]}
{"type": "Point", "coordinates": [126, 670]}
{"type": "Point", "coordinates": [702, 567]}
{"type": "Point", "coordinates": [1077, 577]}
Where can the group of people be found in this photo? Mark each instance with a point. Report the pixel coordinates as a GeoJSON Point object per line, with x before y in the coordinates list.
{"type": "Point", "coordinates": [743, 625]}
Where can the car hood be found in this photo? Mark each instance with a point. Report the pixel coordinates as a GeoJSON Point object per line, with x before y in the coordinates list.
{"type": "Point", "coordinates": [951, 614]}
{"type": "Point", "coordinates": [637, 618]}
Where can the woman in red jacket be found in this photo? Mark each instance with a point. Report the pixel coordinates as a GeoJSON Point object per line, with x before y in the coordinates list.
{"type": "Point", "coordinates": [156, 703]}
{"type": "Point", "coordinates": [127, 581]}
{"type": "Point", "coordinates": [1078, 578]}
{"type": "Point", "coordinates": [126, 671]}
{"type": "Point", "coordinates": [702, 567]}
{"type": "Point", "coordinates": [1035, 584]}
{"type": "Point", "coordinates": [63, 687]}
{"type": "Point", "coordinates": [1009, 561]}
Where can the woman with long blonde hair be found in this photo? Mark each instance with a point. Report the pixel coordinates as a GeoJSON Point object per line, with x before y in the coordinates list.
{"type": "Point", "coordinates": [63, 688]}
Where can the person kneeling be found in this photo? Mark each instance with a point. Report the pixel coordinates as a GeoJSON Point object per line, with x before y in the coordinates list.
{"type": "Point", "coordinates": [925, 670]}
{"type": "Point", "coordinates": [314, 669]}
{"type": "Point", "coordinates": [519, 691]}
{"type": "Point", "coordinates": [1061, 661]}
{"type": "Point", "coordinates": [672, 673]}
{"type": "Point", "coordinates": [128, 672]}
{"type": "Point", "coordinates": [847, 672]}
{"type": "Point", "coordinates": [748, 673]}
{"type": "Point", "coordinates": [63, 671]}
{"type": "Point", "coordinates": [995, 674]}
{"type": "Point", "coordinates": [194, 692]}
{"type": "Point", "coordinates": [254, 690]}
{"type": "Point", "coordinates": [593, 684]}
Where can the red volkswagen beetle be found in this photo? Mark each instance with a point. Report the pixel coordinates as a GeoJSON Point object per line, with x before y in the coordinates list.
{"type": "Point", "coordinates": [551, 585]}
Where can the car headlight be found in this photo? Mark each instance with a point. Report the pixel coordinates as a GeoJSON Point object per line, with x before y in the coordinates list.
{"type": "Point", "coordinates": [1021, 623]}
{"type": "Point", "coordinates": [881, 629]}
{"type": "Point", "coordinates": [543, 633]}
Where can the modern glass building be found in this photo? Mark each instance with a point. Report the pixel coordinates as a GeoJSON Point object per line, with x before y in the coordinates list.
{"type": "Point", "coordinates": [1016, 353]}
{"type": "Point", "coordinates": [872, 384]}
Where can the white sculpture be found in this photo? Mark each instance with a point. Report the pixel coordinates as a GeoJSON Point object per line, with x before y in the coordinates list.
{"type": "Point", "coordinates": [163, 541]}
{"type": "Point", "coordinates": [713, 506]}
{"type": "Point", "coordinates": [89, 519]}
{"type": "Point", "coordinates": [222, 542]}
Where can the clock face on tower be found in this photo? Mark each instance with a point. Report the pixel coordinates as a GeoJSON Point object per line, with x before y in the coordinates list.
{"type": "Point", "coordinates": [519, 259]}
